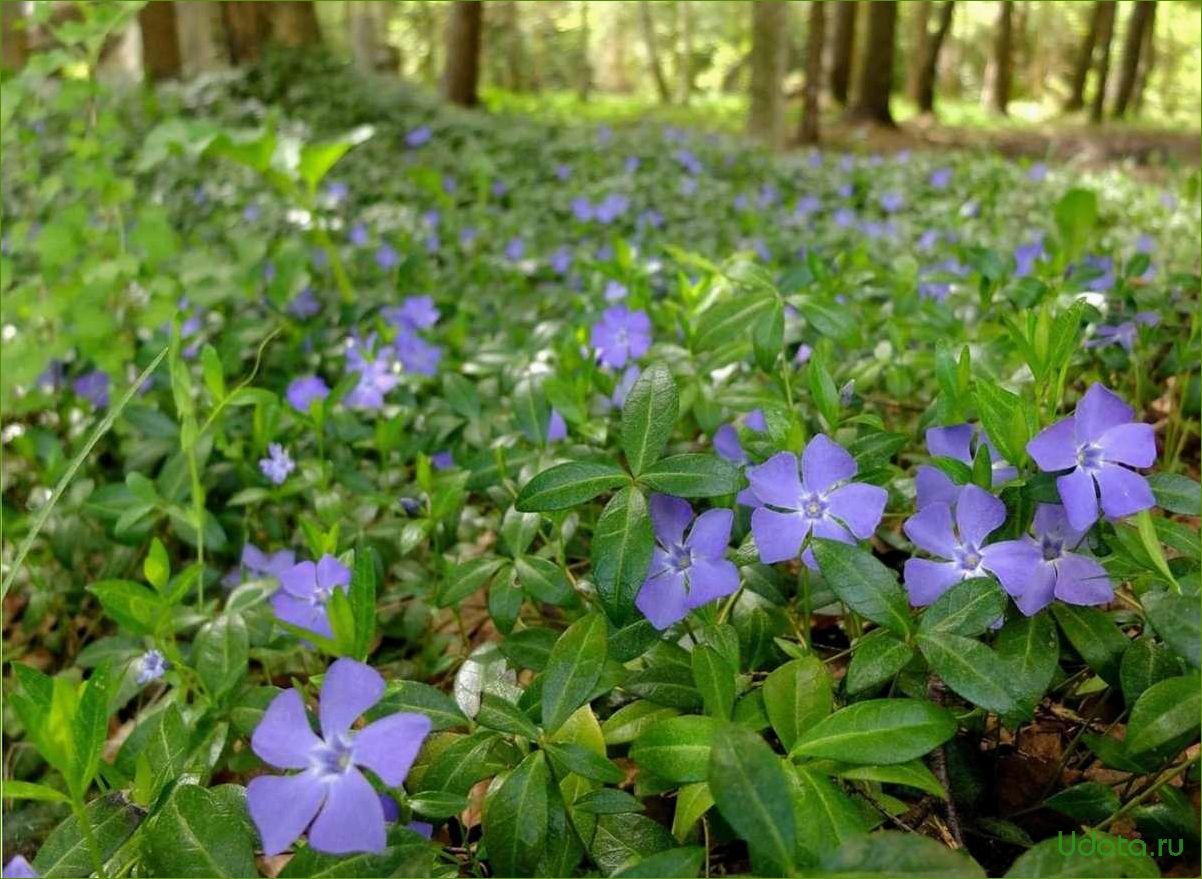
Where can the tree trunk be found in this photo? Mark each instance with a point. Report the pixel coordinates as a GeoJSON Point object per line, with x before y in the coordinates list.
{"type": "Point", "coordinates": [1138, 22]}
{"type": "Point", "coordinates": [1147, 63]}
{"type": "Point", "coordinates": [843, 49]}
{"type": "Point", "coordinates": [875, 80]}
{"type": "Point", "coordinates": [461, 74]}
{"type": "Point", "coordinates": [584, 86]}
{"type": "Point", "coordinates": [294, 23]}
{"type": "Point", "coordinates": [1105, 33]}
{"type": "Point", "coordinates": [768, 22]}
{"type": "Point", "coordinates": [246, 29]}
{"type": "Point", "coordinates": [203, 45]}
{"type": "Point", "coordinates": [160, 41]}
{"type": "Point", "coordinates": [657, 70]}
{"type": "Point", "coordinates": [920, 24]}
{"type": "Point", "coordinates": [808, 132]}
{"type": "Point", "coordinates": [1076, 89]}
{"type": "Point", "coordinates": [925, 96]}
{"type": "Point", "coordinates": [1003, 40]}
{"type": "Point", "coordinates": [14, 39]}
{"type": "Point", "coordinates": [686, 54]}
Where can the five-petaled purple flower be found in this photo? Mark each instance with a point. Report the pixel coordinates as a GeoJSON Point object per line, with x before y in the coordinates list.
{"type": "Point", "coordinates": [304, 590]}
{"type": "Point", "coordinates": [376, 377]}
{"type": "Point", "coordinates": [685, 572]}
{"type": "Point", "coordinates": [19, 868]}
{"type": "Point", "coordinates": [621, 335]}
{"type": "Point", "coordinates": [1098, 445]}
{"type": "Point", "coordinates": [1034, 570]}
{"type": "Point", "coordinates": [959, 549]}
{"type": "Point", "coordinates": [330, 796]}
{"type": "Point", "coordinates": [151, 666]}
{"type": "Point", "coordinates": [933, 485]}
{"type": "Point", "coordinates": [823, 501]}
{"type": "Point", "coordinates": [93, 387]}
{"type": "Point", "coordinates": [260, 564]}
{"type": "Point", "coordinates": [304, 391]}
{"type": "Point", "coordinates": [278, 464]}
{"type": "Point", "coordinates": [1123, 334]}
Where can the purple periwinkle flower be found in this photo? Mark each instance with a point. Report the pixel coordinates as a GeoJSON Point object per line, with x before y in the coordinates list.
{"type": "Point", "coordinates": [414, 312]}
{"type": "Point", "coordinates": [610, 208]}
{"type": "Point", "coordinates": [330, 796]}
{"type": "Point", "coordinates": [1034, 570]}
{"type": "Point", "coordinates": [260, 564]}
{"type": "Point", "coordinates": [940, 178]}
{"type": "Point", "coordinates": [557, 428]}
{"type": "Point", "coordinates": [1025, 257]}
{"type": "Point", "coordinates": [959, 550]}
{"type": "Point", "coordinates": [685, 572]}
{"type": "Point", "coordinates": [278, 464]}
{"type": "Point", "coordinates": [891, 202]}
{"type": "Point", "coordinates": [1123, 334]}
{"type": "Point", "coordinates": [1037, 173]}
{"type": "Point", "coordinates": [822, 501]}
{"type": "Point", "coordinates": [1098, 445]}
{"type": "Point", "coordinates": [19, 868]}
{"type": "Point", "coordinates": [727, 445]}
{"type": "Point", "coordinates": [376, 377]}
{"type": "Point", "coordinates": [304, 304]}
{"type": "Point", "coordinates": [386, 257]}
{"type": "Point", "coordinates": [416, 354]}
{"type": "Point", "coordinates": [961, 442]}
{"type": "Point", "coordinates": [304, 590]}
{"type": "Point", "coordinates": [615, 291]}
{"type": "Point", "coordinates": [515, 249]}
{"type": "Point", "coordinates": [151, 666]}
{"type": "Point", "coordinates": [93, 387]}
{"type": "Point", "coordinates": [303, 391]}
{"type": "Point", "coordinates": [418, 137]}
{"type": "Point", "coordinates": [560, 260]}
{"type": "Point", "coordinates": [443, 460]}
{"type": "Point", "coordinates": [621, 335]}
{"type": "Point", "coordinates": [624, 385]}
{"type": "Point", "coordinates": [358, 235]}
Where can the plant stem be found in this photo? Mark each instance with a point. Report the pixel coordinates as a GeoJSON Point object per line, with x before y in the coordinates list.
{"type": "Point", "coordinates": [85, 827]}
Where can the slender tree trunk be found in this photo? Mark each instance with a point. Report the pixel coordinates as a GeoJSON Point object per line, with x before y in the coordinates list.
{"type": "Point", "coordinates": [246, 29]}
{"type": "Point", "coordinates": [14, 39]}
{"type": "Point", "coordinates": [1003, 40]}
{"type": "Point", "coordinates": [843, 49]}
{"type": "Point", "coordinates": [1105, 35]}
{"type": "Point", "coordinates": [461, 76]}
{"type": "Point", "coordinates": [294, 23]}
{"type": "Point", "coordinates": [657, 70]}
{"type": "Point", "coordinates": [160, 41]}
{"type": "Point", "coordinates": [920, 22]}
{"type": "Point", "coordinates": [875, 80]}
{"type": "Point", "coordinates": [585, 85]}
{"type": "Point", "coordinates": [808, 131]}
{"type": "Point", "coordinates": [925, 97]}
{"type": "Point", "coordinates": [202, 39]}
{"type": "Point", "coordinates": [768, 22]}
{"type": "Point", "coordinates": [686, 54]}
{"type": "Point", "coordinates": [1147, 63]}
{"type": "Point", "coordinates": [1138, 23]}
{"type": "Point", "coordinates": [1085, 53]}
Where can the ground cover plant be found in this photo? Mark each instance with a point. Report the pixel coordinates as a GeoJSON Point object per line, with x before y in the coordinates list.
{"type": "Point", "coordinates": [393, 490]}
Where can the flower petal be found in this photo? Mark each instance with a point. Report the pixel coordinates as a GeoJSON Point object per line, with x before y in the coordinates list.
{"type": "Point", "coordinates": [931, 529]}
{"type": "Point", "coordinates": [727, 446]}
{"type": "Point", "coordinates": [1098, 411]}
{"type": "Point", "coordinates": [1131, 444]}
{"type": "Point", "coordinates": [1080, 498]}
{"type": "Point", "coordinates": [352, 819]}
{"type": "Point", "coordinates": [283, 737]}
{"type": "Point", "coordinates": [824, 463]}
{"type": "Point", "coordinates": [1081, 580]}
{"type": "Point", "coordinates": [1055, 448]}
{"type": "Point", "coordinates": [831, 530]}
{"type": "Point", "coordinates": [859, 507]}
{"type": "Point", "coordinates": [670, 516]}
{"type": "Point", "coordinates": [300, 580]}
{"type": "Point", "coordinates": [1015, 563]}
{"type": "Point", "coordinates": [711, 579]}
{"type": "Point", "coordinates": [926, 580]}
{"type": "Point", "coordinates": [389, 746]}
{"type": "Point", "coordinates": [1039, 591]}
{"type": "Point", "coordinates": [332, 573]}
{"type": "Point", "coordinates": [663, 600]}
{"type": "Point", "coordinates": [778, 536]}
{"type": "Point", "coordinates": [978, 514]}
{"type": "Point", "coordinates": [349, 689]}
{"type": "Point", "coordinates": [951, 442]}
{"type": "Point", "coordinates": [710, 534]}
{"type": "Point", "coordinates": [301, 612]}
{"type": "Point", "coordinates": [1124, 491]}
{"type": "Point", "coordinates": [776, 481]}
{"type": "Point", "coordinates": [933, 486]}
{"type": "Point", "coordinates": [1052, 520]}
{"type": "Point", "coordinates": [282, 806]}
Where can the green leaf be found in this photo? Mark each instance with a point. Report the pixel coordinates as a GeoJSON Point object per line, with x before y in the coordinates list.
{"type": "Point", "coordinates": [648, 417]}
{"type": "Point", "coordinates": [362, 595]}
{"type": "Point", "coordinates": [864, 584]}
{"type": "Point", "coordinates": [573, 669]}
{"type": "Point", "coordinates": [607, 801]}
{"type": "Point", "coordinates": [1098, 641]}
{"type": "Point", "coordinates": [515, 818]}
{"type": "Point", "coordinates": [503, 716]}
{"type": "Point", "coordinates": [156, 567]}
{"type": "Point", "coordinates": [969, 608]}
{"type": "Point", "coordinates": [1005, 418]}
{"type": "Point", "coordinates": [131, 605]}
{"type": "Point", "coordinates": [1089, 802]}
{"type": "Point", "coordinates": [913, 774]}
{"type": "Point", "coordinates": [796, 696]}
{"type": "Point", "coordinates": [220, 654]}
{"type": "Point", "coordinates": [631, 720]}
{"type": "Point", "coordinates": [464, 579]}
{"type": "Point", "coordinates": [438, 804]}
{"type": "Point", "coordinates": [316, 159]}
{"type": "Point", "coordinates": [878, 657]}
{"type": "Point", "coordinates": [1166, 710]}
{"type": "Point", "coordinates": [621, 552]}
{"type": "Point", "coordinates": [407, 854]}
{"type": "Point", "coordinates": [1145, 663]}
{"type": "Point", "coordinates": [1178, 620]}
{"type": "Point", "coordinates": [768, 336]}
{"type": "Point", "coordinates": [24, 790]}
{"type": "Point", "coordinates": [1076, 214]}
{"type": "Point", "coordinates": [567, 485]}
{"type": "Point", "coordinates": [529, 648]}
{"type": "Point", "coordinates": [901, 855]}
{"type": "Point", "coordinates": [826, 816]}
{"type": "Point", "coordinates": [422, 698]}
{"type": "Point", "coordinates": [1176, 493]}
{"type": "Point", "coordinates": [1085, 854]}
{"type": "Point", "coordinates": [544, 581]}
{"type": "Point", "coordinates": [676, 749]}
{"type": "Point", "coordinates": [751, 791]}
{"type": "Point", "coordinates": [90, 728]}
{"type": "Point", "coordinates": [1031, 650]}
{"type": "Point", "coordinates": [673, 863]}
{"type": "Point", "coordinates": [822, 388]}
{"type": "Point", "coordinates": [65, 852]}
{"type": "Point", "coordinates": [971, 669]}
{"type": "Point", "coordinates": [200, 832]}
{"type": "Point", "coordinates": [577, 759]}
{"type": "Point", "coordinates": [730, 319]}
{"type": "Point", "coordinates": [692, 802]}
{"type": "Point", "coordinates": [881, 731]}
{"type": "Point", "coordinates": [715, 679]}
{"type": "Point", "coordinates": [467, 760]}
{"type": "Point", "coordinates": [623, 840]}
{"type": "Point", "coordinates": [692, 475]}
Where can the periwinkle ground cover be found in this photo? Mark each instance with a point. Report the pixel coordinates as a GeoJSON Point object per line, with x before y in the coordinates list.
{"type": "Point", "coordinates": [523, 499]}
